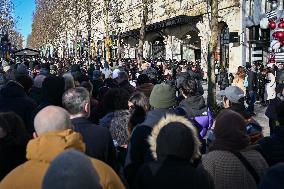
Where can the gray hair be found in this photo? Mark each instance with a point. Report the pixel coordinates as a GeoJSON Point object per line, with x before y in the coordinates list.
{"type": "Point", "coordinates": [69, 81]}
{"type": "Point", "coordinates": [74, 100]}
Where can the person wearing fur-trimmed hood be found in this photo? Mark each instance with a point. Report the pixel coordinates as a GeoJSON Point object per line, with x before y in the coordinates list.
{"type": "Point", "coordinates": [174, 156]}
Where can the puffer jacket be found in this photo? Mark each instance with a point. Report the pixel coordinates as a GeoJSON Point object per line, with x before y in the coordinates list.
{"type": "Point", "coordinates": [42, 150]}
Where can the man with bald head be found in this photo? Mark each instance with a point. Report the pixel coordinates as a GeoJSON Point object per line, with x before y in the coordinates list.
{"type": "Point", "coordinates": [59, 118]}
{"type": "Point", "coordinates": [53, 136]}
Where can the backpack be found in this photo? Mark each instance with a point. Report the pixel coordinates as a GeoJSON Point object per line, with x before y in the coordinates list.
{"type": "Point", "coordinates": [202, 122]}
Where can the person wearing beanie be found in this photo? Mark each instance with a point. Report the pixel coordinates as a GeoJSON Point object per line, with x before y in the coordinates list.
{"type": "Point", "coordinates": [231, 161]}
{"type": "Point", "coordinates": [78, 172]}
{"type": "Point", "coordinates": [162, 100]}
{"type": "Point", "coordinates": [174, 156]}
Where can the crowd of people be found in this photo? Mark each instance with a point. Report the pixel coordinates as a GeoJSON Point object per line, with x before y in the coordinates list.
{"type": "Point", "coordinates": [72, 124]}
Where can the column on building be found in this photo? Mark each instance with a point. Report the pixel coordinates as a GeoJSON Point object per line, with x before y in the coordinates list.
{"type": "Point", "coordinates": [169, 44]}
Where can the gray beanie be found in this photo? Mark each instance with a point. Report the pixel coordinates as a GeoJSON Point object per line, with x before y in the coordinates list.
{"type": "Point", "coordinates": [71, 170]}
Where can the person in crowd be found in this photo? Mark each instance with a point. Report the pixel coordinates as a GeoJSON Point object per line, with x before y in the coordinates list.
{"type": "Point", "coordinates": [196, 73]}
{"type": "Point", "coordinates": [78, 172]}
{"type": "Point", "coordinates": [52, 90]}
{"type": "Point", "coordinates": [53, 136]}
{"type": "Point", "coordinates": [99, 143]}
{"type": "Point", "coordinates": [181, 76]}
{"type": "Point", "coordinates": [274, 177]}
{"type": "Point", "coordinates": [69, 81]}
{"type": "Point", "coordinates": [175, 145]}
{"type": "Point", "coordinates": [14, 98]}
{"type": "Point", "coordinates": [261, 85]}
{"type": "Point", "coordinates": [162, 100]}
{"type": "Point", "coordinates": [139, 99]}
{"type": "Point", "coordinates": [106, 71]}
{"type": "Point", "coordinates": [273, 145]}
{"type": "Point", "coordinates": [123, 82]}
{"type": "Point", "coordinates": [193, 105]}
{"type": "Point", "coordinates": [138, 105]}
{"type": "Point", "coordinates": [13, 140]}
{"type": "Point", "coordinates": [97, 82]}
{"type": "Point", "coordinates": [22, 77]}
{"type": "Point", "coordinates": [271, 109]}
{"type": "Point", "coordinates": [116, 103]}
{"type": "Point", "coordinates": [239, 79]}
{"type": "Point", "coordinates": [224, 79]}
{"type": "Point", "coordinates": [270, 86]}
{"type": "Point", "coordinates": [251, 87]}
{"type": "Point", "coordinates": [144, 85]}
{"type": "Point", "coordinates": [280, 74]}
{"type": "Point", "coordinates": [233, 99]}
{"type": "Point", "coordinates": [36, 90]}
{"type": "Point", "coordinates": [230, 162]}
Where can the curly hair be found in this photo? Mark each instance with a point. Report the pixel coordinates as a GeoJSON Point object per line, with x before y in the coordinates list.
{"type": "Point", "coordinates": [116, 99]}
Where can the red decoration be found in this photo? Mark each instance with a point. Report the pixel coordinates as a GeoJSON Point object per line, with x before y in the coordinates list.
{"type": "Point", "coordinates": [279, 35]}
{"type": "Point", "coordinates": [281, 24]}
{"type": "Point", "coordinates": [274, 35]}
{"type": "Point", "coordinates": [272, 25]}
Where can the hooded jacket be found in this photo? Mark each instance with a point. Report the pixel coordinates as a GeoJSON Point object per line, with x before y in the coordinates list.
{"type": "Point", "coordinates": [194, 106]}
{"type": "Point", "coordinates": [173, 167]}
{"type": "Point", "coordinates": [42, 150]}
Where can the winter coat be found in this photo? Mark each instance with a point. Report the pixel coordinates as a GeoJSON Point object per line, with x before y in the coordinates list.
{"type": "Point", "coordinates": [41, 151]}
{"type": "Point", "coordinates": [271, 108]}
{"type": "Point", "coordinates": [273, 146]}
{"type": "Point", "coordinates": [228, 171]}
{"type": "Point", "coordinates": [270, 87]}
{"type": "Point", "coordinates": [97, 84]}
{"type": "Point", "coordinates": [138, 148]}
{"type": "Point", "coordinates": [35, 94]}
{"type": "Point", "coordinates": [180, 78]}
{"type": "Point", "coordinates": [117, 123]}
{"type": "Point", "coordinates": [197, 76]}
{"type": "Point", "coordinates": [145, 88]}
{"type": "Point", "coordinates": [172, 167]}
{"type": "Point", "coordinates": [99, 143]}
{"type": "Point", "coordinates": [224, 80]}
{"type": "Point", "coordinates": [13, 98]}
{"type": "Point", "coordinates": [239, 82]}
{"type": "Point", "coordinates": [252, 81]}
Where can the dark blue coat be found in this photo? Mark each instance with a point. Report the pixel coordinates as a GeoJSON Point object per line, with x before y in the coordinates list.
{"type": "Point", "coordinates": [273, 146]}
{"type": "Point", "coordinates": [99, 143]}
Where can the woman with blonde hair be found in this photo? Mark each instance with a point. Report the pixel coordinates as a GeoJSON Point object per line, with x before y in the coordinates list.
{"type": "Point", "coordinates": [240, 78]}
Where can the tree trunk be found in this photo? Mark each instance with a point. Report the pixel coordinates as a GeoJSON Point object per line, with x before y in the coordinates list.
{"type": "Point", "coordinates": [142, 32]}
{"type": "Point", "coordinates": [212, 49]}
{"type": "Point", "coordinates": [107, 46]}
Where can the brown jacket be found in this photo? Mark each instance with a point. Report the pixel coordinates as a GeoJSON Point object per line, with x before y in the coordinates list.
{"type": "Point", "coordinates": [42, 150]}
{"type": "Point", "coordinates": [145, 88]}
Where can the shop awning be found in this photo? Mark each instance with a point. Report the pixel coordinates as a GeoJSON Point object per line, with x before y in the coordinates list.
{"type": "Point", "coordinates": [27, 52]}
{"type": "Point", "coordinates": [178, 20]}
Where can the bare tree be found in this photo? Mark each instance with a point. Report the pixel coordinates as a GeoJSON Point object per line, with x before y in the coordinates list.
{"type": "Point", "coordinates": [212, 49]}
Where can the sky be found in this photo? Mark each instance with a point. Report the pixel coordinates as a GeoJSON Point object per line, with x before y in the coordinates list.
{"type": "Point", "coordinates": [24, 11]}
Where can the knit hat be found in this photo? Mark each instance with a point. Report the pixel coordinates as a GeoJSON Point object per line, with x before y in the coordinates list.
{"type": "Point", "coordinates": [163, 96]}
{"type": "Point", "coordinates": [69, 170]}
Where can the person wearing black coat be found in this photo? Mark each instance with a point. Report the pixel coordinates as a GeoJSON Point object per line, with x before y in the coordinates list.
{"type": "Point", "coordinates": [13, 140]}
{"type": "Point", "coordinates": [175, 145]}
{"type": "Point", "coordinates": [123, 82]}
{"type": "Point", "coordinates": [14, 98]}
{"type": "Point", "coordinates": [273, 146]}
{"type": "Point", "coordinates": [98, 140]}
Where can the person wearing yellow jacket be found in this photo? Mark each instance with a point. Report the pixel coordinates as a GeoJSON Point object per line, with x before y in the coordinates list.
{"type": "Point", "coordinates": [53, 136]}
